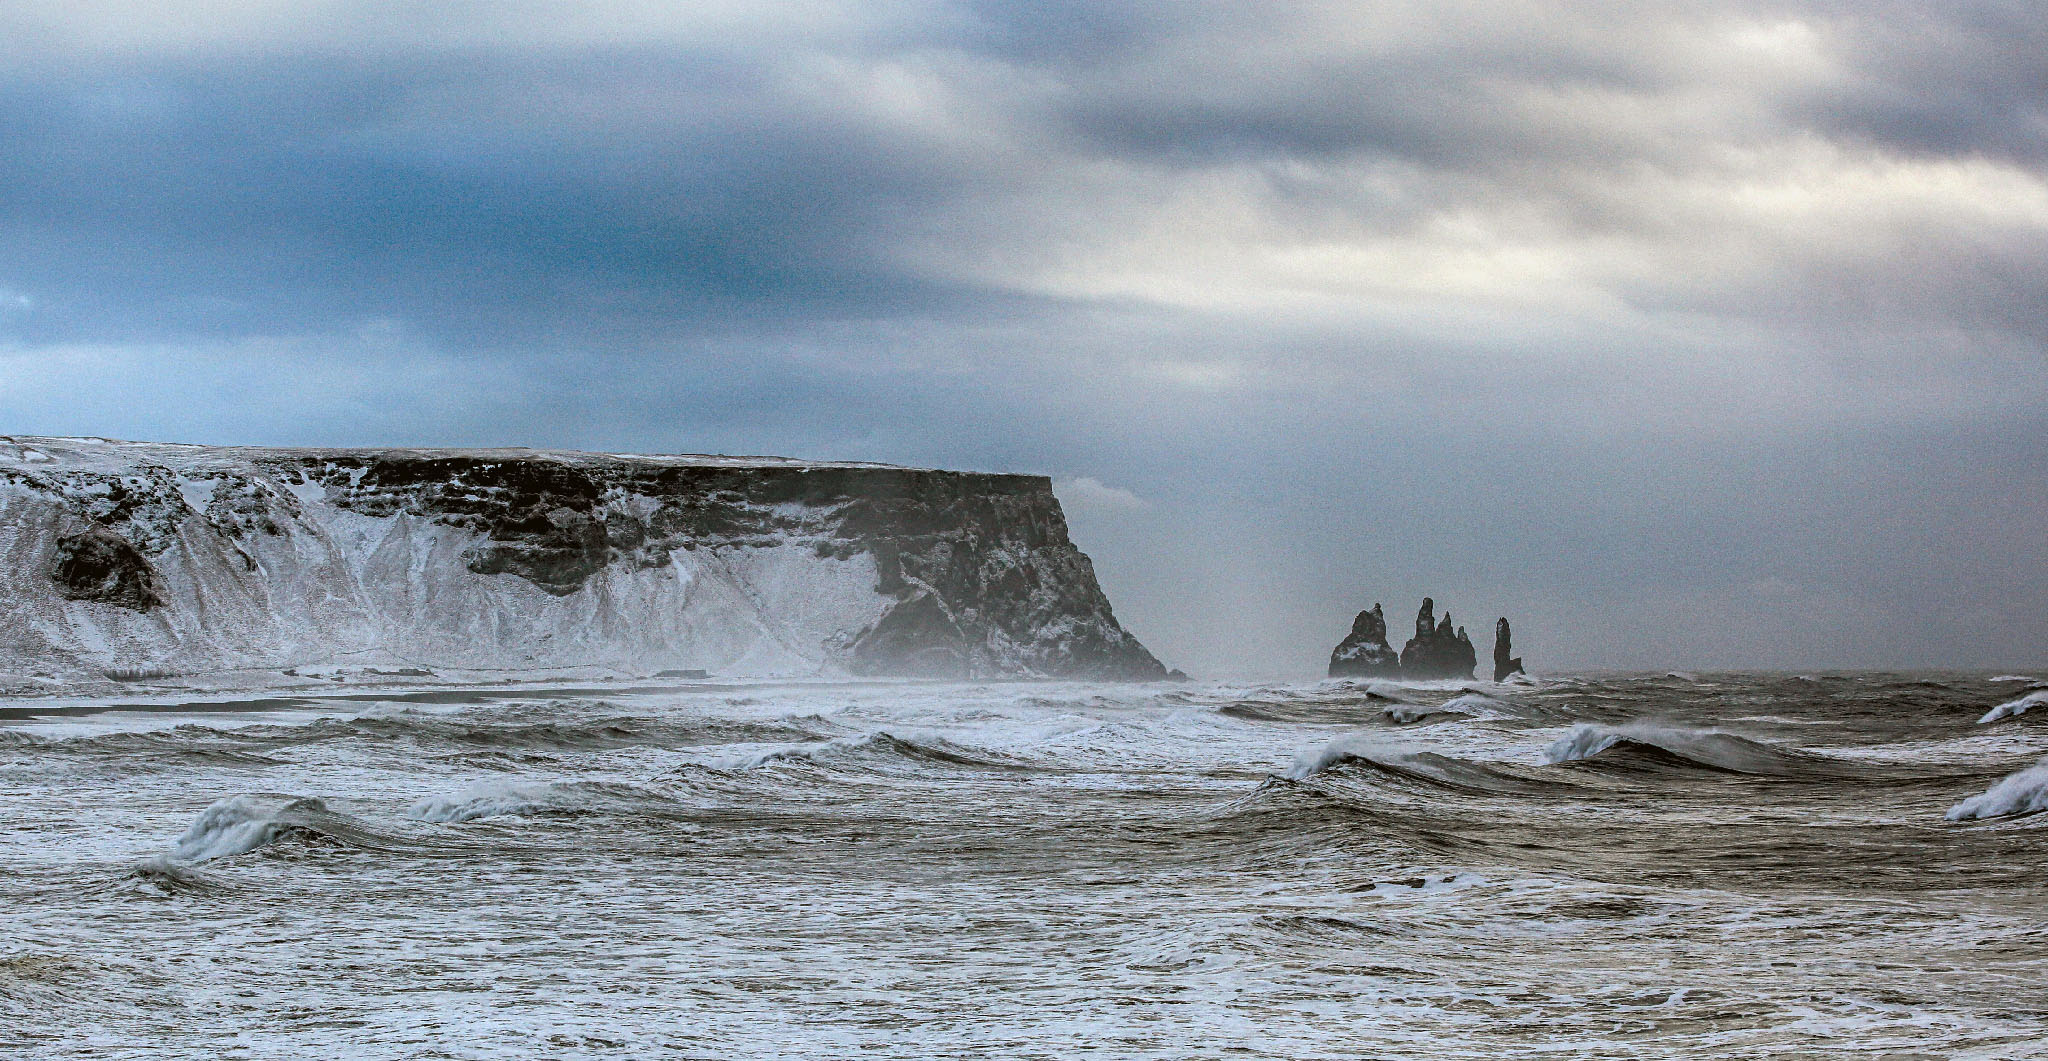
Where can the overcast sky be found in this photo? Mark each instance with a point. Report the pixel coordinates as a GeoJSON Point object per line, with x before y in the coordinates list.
{"type": "Point", "coordinates": [1686, 334]}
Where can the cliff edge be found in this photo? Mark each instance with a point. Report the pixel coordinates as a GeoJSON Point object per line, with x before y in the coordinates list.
{"type": "Point", "coordinates": [125, 556]}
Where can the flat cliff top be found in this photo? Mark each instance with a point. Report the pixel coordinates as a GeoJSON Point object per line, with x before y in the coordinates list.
{"type": "Point", "coordinates": [115, 455]}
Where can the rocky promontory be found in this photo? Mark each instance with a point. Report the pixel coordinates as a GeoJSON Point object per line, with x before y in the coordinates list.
{"type": "Point", "coordinates": [125, 556]}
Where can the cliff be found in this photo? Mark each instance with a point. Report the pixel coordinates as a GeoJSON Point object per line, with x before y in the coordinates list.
{"type": "Point", "coordinates": [122, 556]}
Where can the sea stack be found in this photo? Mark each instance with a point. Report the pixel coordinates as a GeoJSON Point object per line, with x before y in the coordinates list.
{"type": "Point", "coordinates": [1365, 653]}
{"type": "Point", "coordinates": [1438, 649]}
{"type": "Point", "coordinates": [1505, 662]}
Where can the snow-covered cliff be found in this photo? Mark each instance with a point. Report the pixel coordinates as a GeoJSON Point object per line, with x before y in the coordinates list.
{"type": "Point", "coordinates": [124, 557]}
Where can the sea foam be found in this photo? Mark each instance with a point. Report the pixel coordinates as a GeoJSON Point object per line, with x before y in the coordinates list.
{"type": "Point", "coordinates": [2015, 707]}
{"type": "Point", "coordinates": [482, 801]}
{"type": "Point", "coordinates": [1312, 761]}
{"type": "Point", "coordinates": [2025, 792]}
{"type": "Point", "coordinates": [237, 825]}
{"type": "Point", "coordinates": [1585, 741]}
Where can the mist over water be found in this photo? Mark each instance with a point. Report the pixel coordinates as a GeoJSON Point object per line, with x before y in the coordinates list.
{"type": "Point", "coordinates": [1680, 866]}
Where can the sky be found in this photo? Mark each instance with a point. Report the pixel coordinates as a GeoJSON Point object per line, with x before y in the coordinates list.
{"type": "Point", "coordinates": [1689, 335]}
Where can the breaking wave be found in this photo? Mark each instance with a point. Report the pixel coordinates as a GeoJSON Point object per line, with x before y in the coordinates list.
{"type": "Point", "coordinates": [1399, 761]}
{"type": "Point", "coordinates": [1660, 746]}
{"type": "Point", "coordinates": [2012, 708]}
{"type": "Point", "coordinates": [240, 824]}
{"type": "Point", "coordinates": [529, 800]}
{"type": "Point", "coordinates": [2024, 792]}
{"type": "Point", "coordinates": [486, 801]}
{"type": "Point", "coordinates": [872, 747]}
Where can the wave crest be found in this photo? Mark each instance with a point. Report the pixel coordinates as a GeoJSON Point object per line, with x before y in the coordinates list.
{"type": "Point", "coordinates": [555, 798]}
{"type": "Point", "coordinates": [1694, 748]}
{"type": "Point", "coordinates": [2012, 708]}
{"type": "Point", "coordinates": [876, 746]}
{"type": "Point", "coordinates": [1389, 759]}
{"type": "Point", "coordinates": [2024, 792]}
{"type": "Point", "coordinates": [240, 824]}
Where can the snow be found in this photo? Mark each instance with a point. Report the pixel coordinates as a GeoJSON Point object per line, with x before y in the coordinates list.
{"type": "Point", "coordinates": [198, 493]}
{"type": "Point", "coordinates": [327, 584]}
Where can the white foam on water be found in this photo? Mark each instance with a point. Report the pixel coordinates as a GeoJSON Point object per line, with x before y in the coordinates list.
{"type": "Point", "coordinates": [2012, 708]}
{"type": "Point", "coordinates": [1311, 761]}
{"type": "Point", "coordinates": [1409, 712]}
{"type": "Point", "coordinates": [1586, 740]}
{"type": "Point", "coordinates": [1478, 704]}
{"type": "Point", "coordinates": [483, 801]}
{"type": "Point", "coordinates": [235, 826]}
{"type": "Point", "coordinates": [2024, 792]}
{"type": "Point", "coordinates": [1122, 879]}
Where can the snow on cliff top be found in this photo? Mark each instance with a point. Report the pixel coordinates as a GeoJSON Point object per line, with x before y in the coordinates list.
{"type": "Point", "coordinates": [115, 455]}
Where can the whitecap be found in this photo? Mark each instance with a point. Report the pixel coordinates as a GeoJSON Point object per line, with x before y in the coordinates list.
{"type": "Point", "coordinates": [1312, 761]}
{"type": "Point", "coordinates": [2025, 792]}
{"type": "Point", "coordinates": [2012, 708]}
{"type": "Point", "coordinates": [1405, 713]}
{"type": "Point", "coordinates": [483, 801]}
{"type": "Point", "coordinates": [1475, 703]}
{"type": "Point", "coordinates": [237, 825]}
{"type": "Point", "coordinates": [1583, 742]}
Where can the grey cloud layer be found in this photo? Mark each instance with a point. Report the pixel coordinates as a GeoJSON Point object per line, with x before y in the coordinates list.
{"type": "Point", "coordinates": [1694, 311]}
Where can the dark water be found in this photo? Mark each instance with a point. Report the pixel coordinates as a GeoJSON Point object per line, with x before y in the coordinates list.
{"type": "Point", "coordinates": [1680, 866]}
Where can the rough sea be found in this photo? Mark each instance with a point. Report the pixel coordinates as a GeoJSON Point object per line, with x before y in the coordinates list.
{"type": "Point", "coordinates": [1683, 866]}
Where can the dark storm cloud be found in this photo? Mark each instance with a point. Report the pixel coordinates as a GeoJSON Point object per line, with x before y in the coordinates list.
{"type": "Point", "coordinates": [1942, 80]}
{"type": "Point", "coordinates": [1617, 316]}
{"type": "Point", "coordinates": [304, 194]}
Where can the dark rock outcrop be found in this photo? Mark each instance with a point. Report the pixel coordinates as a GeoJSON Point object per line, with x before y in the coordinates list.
{"type": "Point", "coordinates": [1438, 649]}
{"type": "Point", "coordinates": [98, 565]}
{"type": "Point", "coordinates": [1365, 653]}
{"type": "Point", "coordinates": [1505, 662]}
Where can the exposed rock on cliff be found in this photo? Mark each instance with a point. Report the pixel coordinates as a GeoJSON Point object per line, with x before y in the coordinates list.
{"type": "Point", "coordinates": [1505, 662]}
{"type": "Point", "coordinates": [1365, 653]}
{"type": "Point", "coordinates": [98, 565]}
{"type": "Point", "coordinates": [1438, 650]}
{"type": "Point", "coordinates": [134, 554]}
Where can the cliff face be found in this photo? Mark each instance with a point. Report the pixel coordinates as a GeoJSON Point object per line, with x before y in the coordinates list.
{"type": "Point", "coordinates": [143, 556]}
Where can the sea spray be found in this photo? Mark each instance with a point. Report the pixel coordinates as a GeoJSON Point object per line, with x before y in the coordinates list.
{"type": "Point", "coordinates": [238, 825]}
{"type": "Point", "coordinates": [2014, 708]}
{"type": "Point", "coordinates": [2024, 792]}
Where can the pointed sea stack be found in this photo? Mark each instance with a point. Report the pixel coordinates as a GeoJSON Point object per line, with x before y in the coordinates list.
{"type": "Point", "coordinates": [1438, 650]}
{"type": "Point", "coordinates": [1504, 660]}
{"type": "Point", "coordinates": [1365, 653]}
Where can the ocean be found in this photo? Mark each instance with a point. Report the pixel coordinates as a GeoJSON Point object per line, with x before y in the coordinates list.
{"type": "Point", "coordinates": [1674, 866]}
